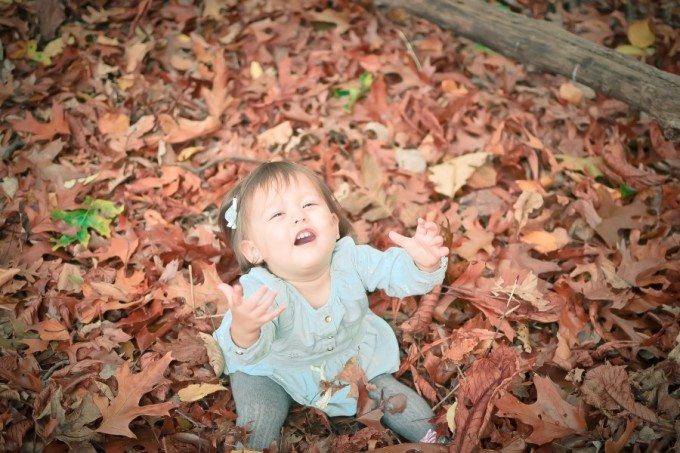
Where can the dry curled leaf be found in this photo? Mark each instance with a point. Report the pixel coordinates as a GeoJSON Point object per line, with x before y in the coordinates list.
{"type": "Point", "coordinates": [485, 378]}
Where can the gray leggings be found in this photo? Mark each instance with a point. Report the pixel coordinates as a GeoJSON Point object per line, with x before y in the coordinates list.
{"type": "Point", "coordinates": [262, 405]}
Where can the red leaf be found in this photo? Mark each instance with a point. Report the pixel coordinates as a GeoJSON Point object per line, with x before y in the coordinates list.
{"type": "Point", "coordinates": [43, 131]}
{"type": "Point", "coordinates": [124, 407]}
{"type": "Point", "coordinates": [550, 416]}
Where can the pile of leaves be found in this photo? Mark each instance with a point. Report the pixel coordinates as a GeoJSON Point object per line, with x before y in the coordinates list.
{"type": "Point", "coordinates": [124, 124]}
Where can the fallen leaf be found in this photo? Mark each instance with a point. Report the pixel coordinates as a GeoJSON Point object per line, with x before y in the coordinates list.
{"type": "Point", "coordinates": [571, 93]}
{"type": "Point", "coordinates": [640, 35]}
{"type": "Point", "coordinates": [527, 202]}
{"type": "Point", "coordinates": [483, 380]}
{"type": "Point", "coordinates": [607, 387]}
{"type": "Point", "coordinates": [124, 407]}
{"type": "Point", "coordinates": [277, 135]}
{"type": "Point", "coordinates": [215, 356]}
{"type": "Point", "coordinates": [550, 416]}
{"type": "Point", "coordinates": [195, 392]}
{"type": "Point", "coordinates": [451, 175]}
{"type": "Point", "coordinates": [8, 274]}
{"type": "Point", "coordinates": [43, 131]}
{"type": "Point", "coordinates": [547, 241]}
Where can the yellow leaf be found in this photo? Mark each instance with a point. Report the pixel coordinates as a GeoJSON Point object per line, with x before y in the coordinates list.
{"type": "Point", "coordinates": [186, 153]}
{"type": "Point", "coordinates": [640, 35]}
{"type": "Point", "coordinates": [631, 51]}
{"type": "Point", "coordinates": [255, 70]}
{"type": "Point", "coordinates": [546, 242]}
{"type": "Point", "coordinates": [195, 392]}
{"type": "Point", "coordinates": [448, 177]}
{"type": "Point", "coordinates": [215, 357]}
{"type": "Point", "coordinates": [587, 165]}
{"type": "Point", "coordinates": [571, 93]}
{"type": "Point", "coordinates": [52, 49]}
{"type": "Point", "coordinates": [450, 416]}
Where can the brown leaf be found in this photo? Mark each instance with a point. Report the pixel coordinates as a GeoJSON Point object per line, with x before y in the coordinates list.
{"type": "Point", "coordinates": [121, 410]}
{"type": "Point", "coordinates": [421, 319]}
{"type": "Point", "coordinates": [607, 387]}
{"type": "Point", "coordinates": [50, 17]}
{"type": "Point", "coordinates": [550, 416]}
{"type": "Point", "coordinates": [43, 131]}
{"type": "Point", "coordinates": [485, 378]}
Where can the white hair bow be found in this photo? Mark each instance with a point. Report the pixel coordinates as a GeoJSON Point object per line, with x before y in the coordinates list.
{"type": "Point", "coordinates": [230, 214]}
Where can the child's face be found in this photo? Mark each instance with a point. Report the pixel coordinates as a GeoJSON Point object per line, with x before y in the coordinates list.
{"type": "Point", "coordinates": [291, 229]}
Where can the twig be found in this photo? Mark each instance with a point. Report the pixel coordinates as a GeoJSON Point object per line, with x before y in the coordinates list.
{"type": "Point", "coordinates": [448, 395]}
{"type": "Point", "coordinates": [505, 313]}
{"type": "Point", "coordinates": [411, 51]}
{"type": "Point", "coordinates": [210, 163]}
{"type": "Point", "coordinates": [191, 283]}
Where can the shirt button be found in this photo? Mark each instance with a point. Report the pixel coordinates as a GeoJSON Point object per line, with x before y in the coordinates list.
{"type": "Point", "coordinates": [330, 337]}
{"type": "Point", "coordinates": [328, 319]}
{"type": "Point", "coordinates": [239, 352]}
{"type": "Point", "coordinates": [330, 348]}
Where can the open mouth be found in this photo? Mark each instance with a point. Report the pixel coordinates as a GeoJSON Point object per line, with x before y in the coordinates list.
{"type": "Point", "coordinates": [304, 237]}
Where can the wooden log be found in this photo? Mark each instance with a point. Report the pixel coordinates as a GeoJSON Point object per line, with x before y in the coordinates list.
{"type": "Point", "coordinates": [553, 49]}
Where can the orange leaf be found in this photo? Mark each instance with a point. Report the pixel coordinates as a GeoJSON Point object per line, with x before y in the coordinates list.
{"type": "Point", "coordinates": [550, 416]}
{"type": "Point", "coordinates": [43, 131]}
{"type": "Point", "coordinates": [124, 407]}
{"type": "Point", "coordinates": [51, 329]}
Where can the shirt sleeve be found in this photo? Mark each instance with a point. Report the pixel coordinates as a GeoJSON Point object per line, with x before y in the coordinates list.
{"type": "Point", "coordinates": [255, 352]}
{"type": "Point", "coordinates": [394, 271]}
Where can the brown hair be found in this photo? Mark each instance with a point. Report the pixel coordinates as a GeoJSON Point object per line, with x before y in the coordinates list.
{"type": "Point", "coordinates": [266, 176]}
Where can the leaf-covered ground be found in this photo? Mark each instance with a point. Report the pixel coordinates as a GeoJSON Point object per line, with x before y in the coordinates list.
{"type": "Point", "coordinates": [124, 123]}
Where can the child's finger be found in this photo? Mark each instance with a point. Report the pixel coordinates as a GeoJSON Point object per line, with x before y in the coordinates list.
{"type": "Point", "coordinates": [228, 292]}
{"type": "Point", "coordinates": [275, 313]}
{"type": "Point", "coordinates": [443, 251]}
{"type": "Point", "coordinates": [257, 296]}
{"type": "Point", "coordinates": [398, 239]}
{"type": "Point", "coordinates": [264, 304]}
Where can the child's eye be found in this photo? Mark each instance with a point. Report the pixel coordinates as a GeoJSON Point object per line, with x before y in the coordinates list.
{"type": "Point", "coordinates": [278, 214]}
{"type": "Point", "coordinates": [308, 204]}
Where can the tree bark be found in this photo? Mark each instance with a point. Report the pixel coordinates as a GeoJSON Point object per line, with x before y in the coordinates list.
{"type": "Point", "coordinates": [555, 50]}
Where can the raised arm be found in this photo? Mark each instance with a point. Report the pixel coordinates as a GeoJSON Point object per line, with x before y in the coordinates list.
{"type": "Point", "coordinates": [425, 246]}
{"type": "Point", "coordinates": [249, 315]}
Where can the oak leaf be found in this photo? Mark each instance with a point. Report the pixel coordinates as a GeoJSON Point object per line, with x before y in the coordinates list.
{"type": "Point", "coordinates": [43, 131]}
{"type": "Point", "coordinates": [550, 416]}
{"type": "Point", "coordinates": [124, 407]}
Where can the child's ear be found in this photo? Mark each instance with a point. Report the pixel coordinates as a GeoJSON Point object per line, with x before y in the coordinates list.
{"type": "Point", "coordinates": [336, 222]}
{"type": "Point", "coordinates": [250, 251]}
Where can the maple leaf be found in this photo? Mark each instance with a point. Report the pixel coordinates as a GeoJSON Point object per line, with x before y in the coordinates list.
{"type": "Point", "coordinates": [124, 407]}
{"type": "Point", "coordinates": [483, 380]}
{"type": "Point", "coordinates": [43, 131]}
{"type": "Point", "coordinates": [550, 416]}
{"type": "Point", "coordinates": [97, 215]}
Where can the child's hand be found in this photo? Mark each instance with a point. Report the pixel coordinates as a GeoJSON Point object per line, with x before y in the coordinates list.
{"type": "Point", "coordinates": [250, 314]}
{"type": "Point", "coordinates": [425, 247]}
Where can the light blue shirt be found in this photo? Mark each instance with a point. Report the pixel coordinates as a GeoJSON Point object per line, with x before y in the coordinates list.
{"type": "Point", "coordinates": [305, 345]}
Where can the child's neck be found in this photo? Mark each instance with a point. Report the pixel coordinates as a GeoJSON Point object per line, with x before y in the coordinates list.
{"type": "Point", "coordinates": [315, 289]}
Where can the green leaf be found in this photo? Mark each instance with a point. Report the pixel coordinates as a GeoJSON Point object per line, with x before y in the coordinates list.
{"type": "Point", "coordinates": [366, 81]}
{"type": "Point", "coordinates": [354, 94]}
{"type": "Point", "coordinates": [96, 215]}
{"type": "Point", "coordinates": [626, 191]}
{"type": "Point", "coordinates": [483, 49]}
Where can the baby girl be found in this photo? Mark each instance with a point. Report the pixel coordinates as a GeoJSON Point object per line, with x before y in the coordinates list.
{"type": "Point", "coordinates": [300, 311]}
